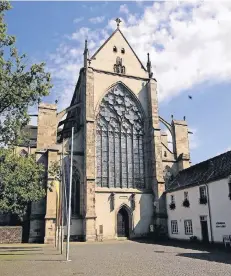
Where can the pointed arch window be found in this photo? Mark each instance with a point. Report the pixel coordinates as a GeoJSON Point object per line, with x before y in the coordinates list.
{"type": "Point", "coordinates": [75, 195]}
{"type": "Point", "coordinates": [119, 140]}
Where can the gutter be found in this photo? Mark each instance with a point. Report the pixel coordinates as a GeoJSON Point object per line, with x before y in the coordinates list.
{"type": "Point", "coordinates": [210, 218]}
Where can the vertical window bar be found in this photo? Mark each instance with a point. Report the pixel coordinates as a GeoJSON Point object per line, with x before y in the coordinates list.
{"type": "Point", "coordinates": [108, 160]}
{"type": "Point", "coordinates": [133, 178]}
{"type": "Point", "coordinates": [139, 159]}
{"type": "Point", "coordinates": [114, 158]}
{"type": "Point", "coordinates": [101, 158]}
{"type": "Point", "coordinates": [126, 155]}
{"type": "Point", "coordinates": [144, 184]}
{"type": "Point", "coordinates": [120, 149]}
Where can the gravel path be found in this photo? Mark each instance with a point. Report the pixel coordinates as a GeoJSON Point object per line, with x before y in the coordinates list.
{"type": "Point", "coordinates": [112, 258]}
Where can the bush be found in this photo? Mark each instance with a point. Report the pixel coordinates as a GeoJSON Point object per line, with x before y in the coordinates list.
{"type": "Point", "coordinates": [172, 206]}
{"type": "Point", "coordinates": [186, 203]}
{"type": "Point", "coordinates": [193, 238]}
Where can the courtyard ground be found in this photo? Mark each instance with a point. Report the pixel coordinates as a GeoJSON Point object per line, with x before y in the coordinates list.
{"type": "Point", "coordinates": [113, 258]}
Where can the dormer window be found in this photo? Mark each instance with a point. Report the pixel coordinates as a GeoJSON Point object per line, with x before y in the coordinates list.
{"type": "Point", "coordinates": [114, 49]}
{"type": "Point", "coordinates": [123, 51]}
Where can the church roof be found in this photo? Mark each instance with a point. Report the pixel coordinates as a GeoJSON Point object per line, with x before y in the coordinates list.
{"type": "Point", "coordinates": [118, 30]}
{"type": "Point", "coordinates": [210, 170]}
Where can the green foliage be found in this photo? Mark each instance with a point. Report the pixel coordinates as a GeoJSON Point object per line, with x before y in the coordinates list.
{"type": "Point", "coordinates": [21, 85]}
{"type": "Point", "coordinates": [21, 182]}
{"type": "Point", "coordinates": [55, 172]}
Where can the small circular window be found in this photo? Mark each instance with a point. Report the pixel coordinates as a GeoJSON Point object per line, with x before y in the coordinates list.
{"type": "Point", "coordinates": [123, 51]}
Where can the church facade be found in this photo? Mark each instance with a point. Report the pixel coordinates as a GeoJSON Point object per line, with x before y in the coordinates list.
{"type": "Point", "coordinates": [121, 157]}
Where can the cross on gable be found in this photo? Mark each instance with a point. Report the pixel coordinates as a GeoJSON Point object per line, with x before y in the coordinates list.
{"type": "Point", "coordinates": [118, 21]}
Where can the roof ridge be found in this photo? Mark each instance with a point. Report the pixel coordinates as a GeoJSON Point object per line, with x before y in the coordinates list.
{"type": "Point", "coordinates": [205, 161]}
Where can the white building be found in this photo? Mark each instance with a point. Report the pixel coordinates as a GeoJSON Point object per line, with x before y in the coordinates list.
{"type": "Point", "coordinates": [198, 201]}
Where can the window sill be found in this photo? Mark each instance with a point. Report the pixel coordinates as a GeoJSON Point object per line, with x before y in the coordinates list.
{"type": "Point", "coordinates": [122, 190]}
{"type": "Point", "coordinates": [76, 217]}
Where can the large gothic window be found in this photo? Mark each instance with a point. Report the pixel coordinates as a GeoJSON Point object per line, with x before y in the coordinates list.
{"type": "Point", "coordinates": [119, 140]}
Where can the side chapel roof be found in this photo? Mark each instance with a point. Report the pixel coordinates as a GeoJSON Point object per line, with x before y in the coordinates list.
{"type": "Point", "coordinates": [210, 170]}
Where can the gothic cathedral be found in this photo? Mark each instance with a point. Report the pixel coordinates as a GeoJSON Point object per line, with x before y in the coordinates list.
{"type": "Point", "coordinates": [122, 160]}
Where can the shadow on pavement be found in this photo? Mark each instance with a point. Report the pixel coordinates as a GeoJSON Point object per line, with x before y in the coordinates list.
{"type": "Point", "coordinates": [19, 248]}
{"type": "Point", "coordinates": [211, 257]}
{"type": "Point", "coordinates": [32, 260]}
{"type": "Point", "coordinates": [15, 254]}
{"type": "Point", "coordinates": [210, 252]}
{"type": "Point", "coordinates": [187, 245]}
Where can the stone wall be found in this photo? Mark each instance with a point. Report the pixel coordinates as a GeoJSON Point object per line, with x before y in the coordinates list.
{"type": "Point", "coordinates": [10, 234]}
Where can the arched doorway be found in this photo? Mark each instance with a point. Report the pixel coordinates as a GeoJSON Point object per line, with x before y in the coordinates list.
{"type": "Point", "coordinates": [123, 223]}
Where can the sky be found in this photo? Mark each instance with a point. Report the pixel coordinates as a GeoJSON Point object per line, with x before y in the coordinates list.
{"type": "Point", "coordinates": [189, 44]}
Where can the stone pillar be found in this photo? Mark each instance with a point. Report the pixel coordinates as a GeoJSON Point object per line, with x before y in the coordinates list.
{"type": "Point", "coordinates": [155, 140]}
{"type": "Point", "coordinates": [47, 125]}
{"type": "Point", "coordinates": [50, 218]}
{"type": "Point", "coordinates": [89, 157]}
{"type": "Point", "coordinates": [154, 146]}
{"type": "Point", "coordinates": [181, 144]}
{"type": "Point", "coordinates": [38, 209]}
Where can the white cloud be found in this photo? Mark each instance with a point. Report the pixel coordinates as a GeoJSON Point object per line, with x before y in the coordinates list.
{"type": "Point", "coordinates": [65, 63]}
{"type": "Point", "coordinates": [194, 38]}
{"type": "Point", "coordinates": [96, 20]}
{"type": "Point", "coordinates": [189, 43]}
{"type": "Point", "coordinates": [124, 9]}
{"type": "Point", "coordinates": [77, 20]}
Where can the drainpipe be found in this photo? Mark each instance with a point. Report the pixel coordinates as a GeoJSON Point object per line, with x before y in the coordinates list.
{"type": "Point", "coordinates": [210, 218]}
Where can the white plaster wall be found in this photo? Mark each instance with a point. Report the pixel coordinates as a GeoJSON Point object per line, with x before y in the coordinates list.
{"type": "Point", "coordinates": [220, 208]}
{"type": "Point", "coordinates": [180, 213]}
{"type": "Point", "coordinates": [141, 216]}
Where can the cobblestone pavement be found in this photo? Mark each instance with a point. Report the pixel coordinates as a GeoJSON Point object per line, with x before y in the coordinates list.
{"type": "Point", "coordinates": [112, 258]}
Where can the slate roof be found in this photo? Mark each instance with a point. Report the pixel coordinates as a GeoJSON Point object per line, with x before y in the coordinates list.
{"type": "Point", "coordinates": [210, 170]}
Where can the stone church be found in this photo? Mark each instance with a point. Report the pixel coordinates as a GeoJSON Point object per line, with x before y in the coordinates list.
{"type": "Point", "coordinates": [121, 157]}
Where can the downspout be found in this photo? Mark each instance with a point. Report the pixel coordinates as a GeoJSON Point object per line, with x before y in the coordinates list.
{"type": "Point", "coordinates": [210, 218]}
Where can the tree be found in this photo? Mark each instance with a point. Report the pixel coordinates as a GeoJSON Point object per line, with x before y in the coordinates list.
{"type": "Point", "coordinates": [21, 85]}
{"type": "Point", "coordinates": [21, 182]}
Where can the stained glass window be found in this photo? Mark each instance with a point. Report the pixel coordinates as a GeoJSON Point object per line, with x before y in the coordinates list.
{"type": "Point", "coordinates": [119, 140]}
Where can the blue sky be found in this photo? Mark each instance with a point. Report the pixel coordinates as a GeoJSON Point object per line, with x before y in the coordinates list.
{"type": "Point", "coordinates": [189, 45]}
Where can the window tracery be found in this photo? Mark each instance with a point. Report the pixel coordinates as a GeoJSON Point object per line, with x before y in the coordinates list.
{"type": "Point", "coordinates": [119, 141]}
